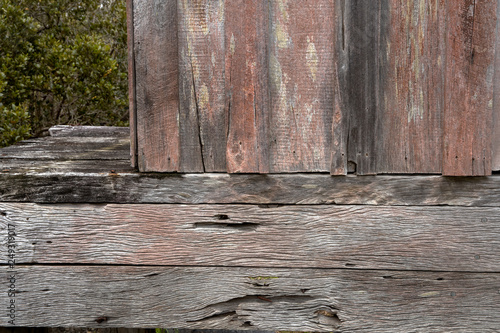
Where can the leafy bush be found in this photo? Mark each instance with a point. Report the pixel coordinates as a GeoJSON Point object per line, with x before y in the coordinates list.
{"type": "Point", "coordinates": [61, 62]}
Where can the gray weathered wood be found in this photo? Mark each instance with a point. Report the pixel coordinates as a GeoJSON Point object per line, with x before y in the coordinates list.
{"type": "Point", "coordinates": [157, 86]}
{"type": "Point", "coordinates": [70, 148]}
{"type": "Point", "coordinates": [247, 298]}
{"type": "Point", "coordinates": [89, 131]}
{"type": "Point", "coordinates": [101, 185]}
{"type": "Point", "coordinates": [414, 238]}
{"type": "Point", "coordinates": [358, 80]}
{"type": "Point", "coordinates": [203, 114]}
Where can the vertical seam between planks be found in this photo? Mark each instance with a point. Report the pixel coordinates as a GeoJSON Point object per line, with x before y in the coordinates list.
{"type": "Point", "coordinates": [133, 90]}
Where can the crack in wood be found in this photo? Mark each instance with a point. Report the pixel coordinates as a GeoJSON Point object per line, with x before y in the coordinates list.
{"type": "Point", "coordinates": [218, 226]}
{"type": "Point", "coordinates": [198, 115]}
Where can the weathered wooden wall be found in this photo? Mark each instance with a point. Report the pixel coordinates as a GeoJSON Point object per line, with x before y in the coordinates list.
{"type": "Point", "coordinates": [98, 244]}
{"type": "Point", "coordinates": [273, 86]}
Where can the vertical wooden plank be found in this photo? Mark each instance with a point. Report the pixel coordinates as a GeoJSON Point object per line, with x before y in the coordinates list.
{"type": "Point", "coordinates": [203, 119]}
{"type": "Point", "coordinates": [469, 87]}
{"type": "Point", "coordinates": [340, 116]}
{"type": "Point", "coordinates": [496, 100]}
{"type": "Point", "coordinates": [156, 58]}
{"type": "Point", "coordinates": [359, 80]}
{"type": "Point", "coordinates": [412, 88]}
{"type": "Point", "coordinates": [301, 85]}
{"type": "Point", "coordinates": [131, 83]}
{"type": "Point", "coordinates": [247, 37]}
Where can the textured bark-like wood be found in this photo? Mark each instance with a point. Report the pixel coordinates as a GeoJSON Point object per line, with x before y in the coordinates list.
{"type": "Point", "coordinates": [414, 238]}
{"type": "Point", "coordinates": [469, 87]}
{"type": "Point", "coordinates": [157, 86]}
{"type": "Point", "coordinates": [131, 83]}
{"type": "Point", "coordinates": [411, 58]}
{"type": "Point", "coordinates": [247, 298]}
{"type": "Point", "coordinates": [203, 116]}
{"type": "Point", "coordinates": [301, 85]}
{"type": "Point", "coordinates": [247, 39]}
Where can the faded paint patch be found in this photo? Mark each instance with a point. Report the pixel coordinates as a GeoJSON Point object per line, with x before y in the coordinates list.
{"type": "Point", "coordinates": [232, 45]}
{"type": "Point", "coordinates": [204, 98]}
{"type": "Point", "coordinates": [312, 58]}
{"type": "Point", "coordinates": [282, 37]}
{"type": "Point", "coordinates": [275, 72]}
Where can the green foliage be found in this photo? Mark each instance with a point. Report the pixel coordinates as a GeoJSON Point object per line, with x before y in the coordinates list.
{"type": "Point", "coordinates": [62, 62]}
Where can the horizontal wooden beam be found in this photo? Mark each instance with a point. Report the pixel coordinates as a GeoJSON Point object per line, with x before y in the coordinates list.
{"type": "Point", "coordinates": [109, 182]}
{"type": "Point", "coordinates": [405, 238]}
{"type": "Point", "coordinates": [247, 298]}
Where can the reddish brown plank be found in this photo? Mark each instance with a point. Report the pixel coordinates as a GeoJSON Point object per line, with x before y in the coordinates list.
{"type": "Point", "coordinates": [157, 94]}
{"type": "Point", "coordinates": [412, 89]}
{"type": "Point", "coordinates": [203, 119]}
{"type": "Point", "coordinates": [131, 83]}
{"type": "Point", "coordinates": [469, 87]}
{"type": "Point", "coordinates": [301, 85]}
{"type": "Point", "coordinates": [247, 37]}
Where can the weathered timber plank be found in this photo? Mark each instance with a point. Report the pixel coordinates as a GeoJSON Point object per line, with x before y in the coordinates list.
{"type": "Point", "coordinates": [106, 187]}
{"type": "Point", "coordinates": [70, 148]}
{"type": "Point", "coordinates": [157, 86]}
{"type": "Point", "coordinates": [496, 101]}
{"type": "Point", "coordinates": [241, 298]}
{"type": "Point", "coordinates": [247, 37]}
{"type": "Point", "coordinates": [203, 115]}
{"type": "Point", "coordinates": [89, 131]}
{"type": "Point", "coordinates": [469, 87]}
{"type": "Point", "coordinates": [413, 238]}
{"type": "Point", "coordinates": [301, 85]}
{"type": "Point", "coordinates": [53, 167]}
{"type": "Point", "coordinates": [411, 56]}
{"type": "Point", "coordinates": [131, 84]}
{"type": "Point", "coordinates": [357, 50]}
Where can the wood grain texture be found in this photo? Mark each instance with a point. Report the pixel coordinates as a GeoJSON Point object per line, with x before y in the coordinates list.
{"type": "Point", "coordinates": [496, 101]}
{"type": "Point", "coordinates": [301, 85]}
{"type": "Point", "coordinates": [131, 83]}
{"type": "Point", "coordinates": [100, 185]}
{"type": "Point", "coordinates": [75, 168]}
{"type": "Point", "coordinates": [89, 131]}
{"type": "Point", "coordinates": [357, 50]}
{"type": "Point", "coordinates": [246, 42]}
{"type": "Point", "coordinates": [469, 87]}
{"type": "Point", "coordinates": [203, 117]}
{"type": "Point", "coordinates": [157, 86]}
{"type": "Point", "coordinates": [251, 299]}
{"type": "Point", "coordinates": [70, 148]}
{"type": "Point", "coordinates": [411, 60]}
{"type": "Point", "coordinates": [410, 238]}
